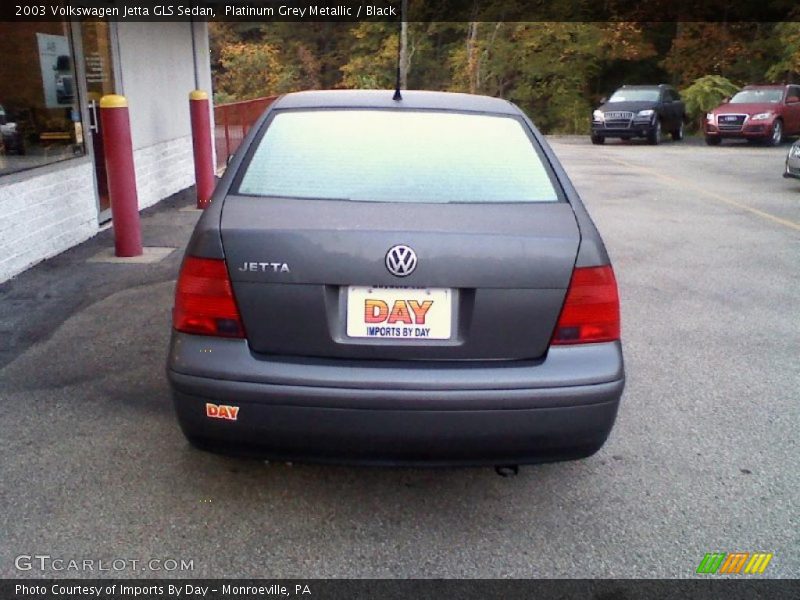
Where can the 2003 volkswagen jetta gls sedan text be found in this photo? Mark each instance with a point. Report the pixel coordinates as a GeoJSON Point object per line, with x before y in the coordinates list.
{"type": "Point", "coordinates": [396, 282]}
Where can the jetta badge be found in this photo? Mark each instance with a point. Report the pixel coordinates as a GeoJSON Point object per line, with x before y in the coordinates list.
{"type": "Point", "coordinates": [401, 260]}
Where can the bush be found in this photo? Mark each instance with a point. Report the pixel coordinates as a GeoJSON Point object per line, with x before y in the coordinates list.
{"type": "Point", "coordinates": [704, 94]}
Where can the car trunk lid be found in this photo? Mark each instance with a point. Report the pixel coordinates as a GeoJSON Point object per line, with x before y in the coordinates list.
{"type": "Point", "coordinates": [291, 262]}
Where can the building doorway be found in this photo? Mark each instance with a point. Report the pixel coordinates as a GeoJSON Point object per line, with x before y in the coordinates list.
{"type": "Point", "coordinates": [99, 70]}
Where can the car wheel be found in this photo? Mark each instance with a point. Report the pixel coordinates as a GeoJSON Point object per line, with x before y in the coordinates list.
{"type": "Point", "coordinates": [654, 137]}
{"type": "Point", "coordinates": [677, 134]}
{"type": "Point", "coordinates": [777, 133]}
{"type": "Point", "coordinates": [713, 141]}
{"type": "Point", "coordinates": [598, 139]}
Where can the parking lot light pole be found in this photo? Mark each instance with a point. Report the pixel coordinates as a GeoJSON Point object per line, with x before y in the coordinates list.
{"type": "Point", "coordinates": [201, 145]}
{"type": "Point", "coordinates": [121, 175]}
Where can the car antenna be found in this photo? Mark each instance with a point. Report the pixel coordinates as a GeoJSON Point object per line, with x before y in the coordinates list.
{"type": "Point", "coordinates": [397, 95]}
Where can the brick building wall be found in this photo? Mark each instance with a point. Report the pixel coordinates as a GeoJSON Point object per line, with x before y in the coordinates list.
{"type": "Point", "coordinates": [44, 214]}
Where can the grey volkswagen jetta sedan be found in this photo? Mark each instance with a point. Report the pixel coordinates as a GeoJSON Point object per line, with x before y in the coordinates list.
{"type": "Point", "coordinates": [397, 282]}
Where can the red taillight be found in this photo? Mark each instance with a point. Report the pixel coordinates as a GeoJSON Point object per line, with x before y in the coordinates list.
{"type": "Point", "coordinates": [591, 308]}
{"type": "Point", "coordinates": [204, 302]}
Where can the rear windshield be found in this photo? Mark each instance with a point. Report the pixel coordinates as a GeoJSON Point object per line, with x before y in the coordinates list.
{"type": "Point", "coordinates": [756, 96]}
{"type": "Point", "coordinates": [635, 96]}
{"type": "Point", "coordinates": [397, 156]}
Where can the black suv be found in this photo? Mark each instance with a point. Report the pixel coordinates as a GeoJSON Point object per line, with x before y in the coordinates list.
{"type": "Point", "coordinates": [646, 111]}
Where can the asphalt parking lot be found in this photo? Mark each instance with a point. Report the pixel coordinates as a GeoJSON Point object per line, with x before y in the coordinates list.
{"type": "Point", "coordinates": [703, 458]}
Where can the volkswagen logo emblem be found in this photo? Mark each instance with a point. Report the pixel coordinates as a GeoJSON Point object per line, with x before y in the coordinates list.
{"type": "Point", "coordinates": [401, 260]}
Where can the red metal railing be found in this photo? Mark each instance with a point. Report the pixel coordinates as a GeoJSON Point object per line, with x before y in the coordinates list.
{"type": "Point", "coordinates": [231, 123]}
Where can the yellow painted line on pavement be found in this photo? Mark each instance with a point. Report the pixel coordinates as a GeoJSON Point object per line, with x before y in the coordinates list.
{"type": "Point", "coordinates": [684, 183]}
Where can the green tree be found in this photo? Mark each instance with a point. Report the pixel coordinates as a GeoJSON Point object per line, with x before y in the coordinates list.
{"type": "Point", "coordinates": [787, 67]}
{"type": "Point", "coordinates": [544, 67]}
{"type": "Point", "coordinates": [739, 51]}
{"type": "Point", "coordinates": [704, 94]}
{"type": "Point", "coordinates": [252, 70]}
{"type": "Point", "coordinates": [373, 57]}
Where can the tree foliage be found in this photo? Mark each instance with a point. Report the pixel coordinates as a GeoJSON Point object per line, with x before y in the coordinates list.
{"type": "Point", "coordinates": [556, 71]}
{"type": "Point", "coordinates": [250, 69]}
{"type": "Point", "coordinates": [788, 64]}
{"type": "Point", "coordinates": [705, 93]}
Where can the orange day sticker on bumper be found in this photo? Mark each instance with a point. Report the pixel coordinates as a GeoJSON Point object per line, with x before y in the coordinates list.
{"type": "Point", "coordinates": [222, 411]}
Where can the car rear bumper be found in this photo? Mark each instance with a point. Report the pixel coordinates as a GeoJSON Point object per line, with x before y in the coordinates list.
{"type": "Point", "coordinates": [409, 413]}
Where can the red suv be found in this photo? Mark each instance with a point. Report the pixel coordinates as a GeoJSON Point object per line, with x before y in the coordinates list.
{"type": "Point", "coordinates": [764, 113]}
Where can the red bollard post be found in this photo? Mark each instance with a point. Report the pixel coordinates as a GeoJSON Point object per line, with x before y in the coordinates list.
{"type": "Point", "coordinates": [201, 144]}
{"type": "Point", "coordinates": [121, 175]}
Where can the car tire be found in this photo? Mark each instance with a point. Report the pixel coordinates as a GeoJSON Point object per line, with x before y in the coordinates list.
{"type": "Point", "coordinates": [713, 141]}
{"type": "Point", "coordinates": [776, 136]}
{"type": "Point", "coordinates": [598, 139]}
{"type": "Point", "coordinates": [654, 136]}
{"type": "Point", "coordinates": [677, 134]}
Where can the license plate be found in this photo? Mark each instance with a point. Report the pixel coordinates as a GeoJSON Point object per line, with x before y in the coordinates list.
{"type": "Point", "coordinates": [399, 313]}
